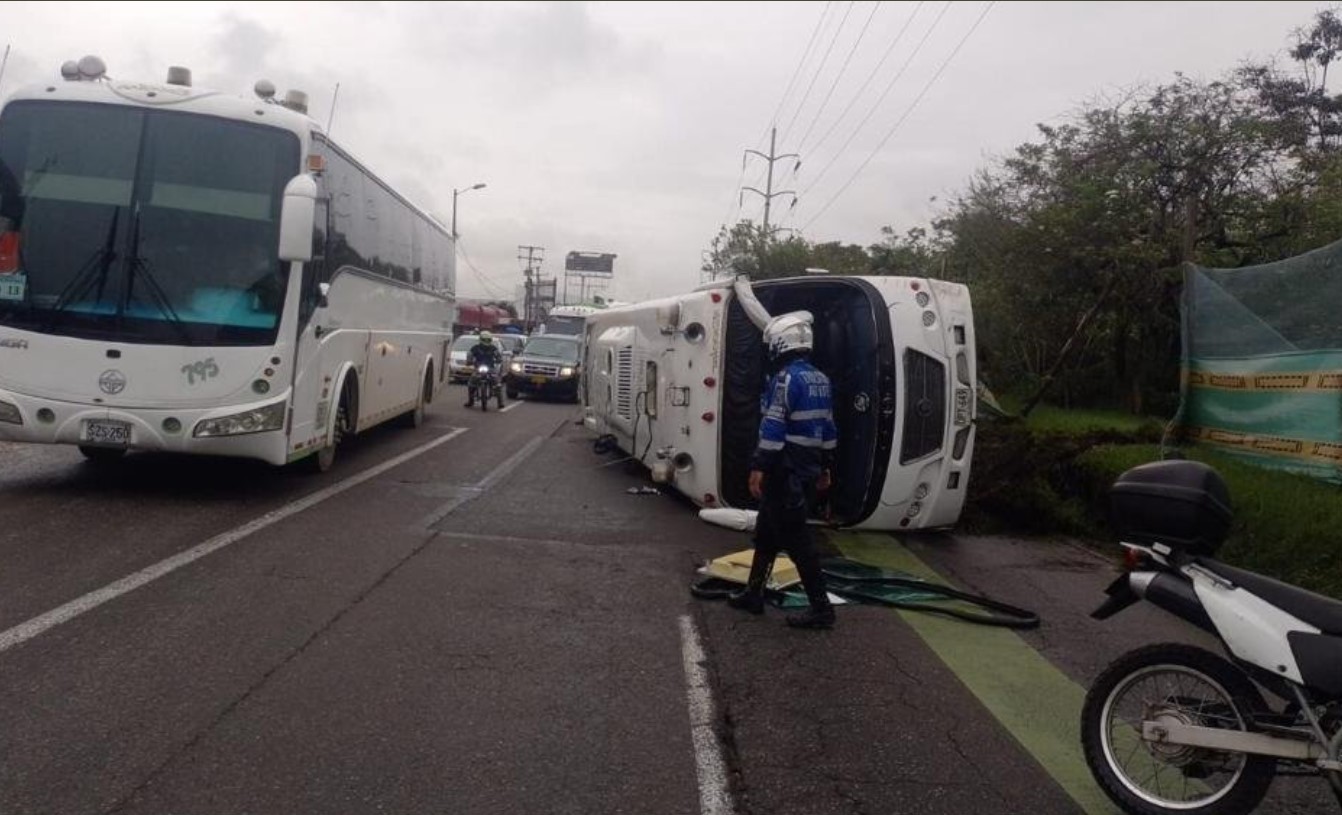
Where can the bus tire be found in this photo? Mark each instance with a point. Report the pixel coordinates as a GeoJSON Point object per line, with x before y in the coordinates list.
{"type": "Point", "coordinates": [415, 416]}
{"type": "Point", "coordinates": [102, 455]}
{"type": "Point", "coordinates": [324, 459]}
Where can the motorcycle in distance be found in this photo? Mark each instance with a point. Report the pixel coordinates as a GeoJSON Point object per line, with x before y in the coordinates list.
{"type": "Point", "coordinates": [484, 385]}
{"type": "Point", "coordinates": [1173, 728]}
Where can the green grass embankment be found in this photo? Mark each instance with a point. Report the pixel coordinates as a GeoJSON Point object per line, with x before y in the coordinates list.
{"type": "Point", "coordinates": [1050, 474]}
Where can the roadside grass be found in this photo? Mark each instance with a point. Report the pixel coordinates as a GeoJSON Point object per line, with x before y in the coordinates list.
{"type": "Point", "coordinates": [1050, 474]}
{"type": "Point", "coordinates": [1288, 526]}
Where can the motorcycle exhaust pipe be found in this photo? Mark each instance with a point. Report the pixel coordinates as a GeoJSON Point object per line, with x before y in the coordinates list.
{"type": "Point", "coordinates": [1173, 594]}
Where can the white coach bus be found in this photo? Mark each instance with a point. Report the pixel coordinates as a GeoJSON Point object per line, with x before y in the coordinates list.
{"type": "Point", "coordinates": [190, 271]}
{"type": "Point", "coordinates": [677, 383]}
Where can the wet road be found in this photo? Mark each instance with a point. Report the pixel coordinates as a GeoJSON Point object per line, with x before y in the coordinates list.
{"type": "Point", "coordinates": [475, 616]}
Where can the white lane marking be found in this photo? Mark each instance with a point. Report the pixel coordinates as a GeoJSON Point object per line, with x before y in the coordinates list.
{"type": "Point", "coordinates": [473, 491]}
{"type": "Point", "coordinates": [714, 798]}
{"type": "Point", "coordinates": [44, 622]}
{"type": "Point", "coordinates": [510, 407]}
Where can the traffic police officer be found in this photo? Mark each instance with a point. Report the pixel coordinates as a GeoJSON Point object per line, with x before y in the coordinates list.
{"type": "Point", "coordinates": [793, 458]}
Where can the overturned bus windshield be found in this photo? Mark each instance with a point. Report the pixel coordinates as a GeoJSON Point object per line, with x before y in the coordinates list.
{"type": "Point", "coordinates": [141, 225]}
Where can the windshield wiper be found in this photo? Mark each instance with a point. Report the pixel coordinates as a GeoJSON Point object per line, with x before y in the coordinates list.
{"type": "Point", "coordinates": [83, 279]}
{"type": "Point", "coordinates": [139, 265]}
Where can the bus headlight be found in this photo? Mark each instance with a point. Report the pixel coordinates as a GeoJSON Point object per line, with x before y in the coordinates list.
{"type": "Point", "coordinates": [566, 371]}
{"type": "Point", "coordinates": [270, 417]}
{"type": "Point", "coordinates": [9, 414]}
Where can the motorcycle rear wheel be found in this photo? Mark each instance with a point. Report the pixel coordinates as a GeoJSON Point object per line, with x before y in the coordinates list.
{"type": "Point", "coordinates": [1175, 683]}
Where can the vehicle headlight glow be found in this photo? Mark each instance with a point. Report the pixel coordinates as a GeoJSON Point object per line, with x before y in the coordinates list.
{"type": "Point", "coordinates": [566, 371]}
{"type": "Point", "coordinates": [516, 367]}
{"type": "Point", "coordinates": [258, 420]}
{"type": "Point", "coordinates": [482, 369]}
{"type": "Point", "coordinates": [9, 414]}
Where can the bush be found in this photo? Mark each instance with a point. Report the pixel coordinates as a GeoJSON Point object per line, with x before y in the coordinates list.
{"type": "Point", "coordinates": [1287, 526]}
{"type": "Point", "coordinates": [1051, 475]}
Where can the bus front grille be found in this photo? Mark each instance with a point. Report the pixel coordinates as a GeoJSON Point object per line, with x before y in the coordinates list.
{"type": "Point", "coordinates": [924, 406]}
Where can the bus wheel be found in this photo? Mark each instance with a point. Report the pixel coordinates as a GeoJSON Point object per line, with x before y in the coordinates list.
{"type": "Point", "coordinates": [101, 455]}
{"type": "Point", "coordinates": [415, 417]}
{"type": "Point", "coordinates": [323, 459]}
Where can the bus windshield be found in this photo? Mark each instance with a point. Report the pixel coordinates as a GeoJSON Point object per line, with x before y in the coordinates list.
{"type": "Point", "coordinates": [565, 325]}
{"type": "Point", "coordinates": [141, 225]}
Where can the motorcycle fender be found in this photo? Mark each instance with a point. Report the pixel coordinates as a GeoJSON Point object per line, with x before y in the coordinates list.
{"type": "Point", "coordinates": [1121, 596]}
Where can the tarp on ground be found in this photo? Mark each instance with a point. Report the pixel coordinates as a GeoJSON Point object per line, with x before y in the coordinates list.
{"type": "Point", "coordinates": [1262, 362]}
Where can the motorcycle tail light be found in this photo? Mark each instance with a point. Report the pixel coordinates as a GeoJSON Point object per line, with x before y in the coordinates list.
{"type": "Point", "coordinates": [1133, 560]}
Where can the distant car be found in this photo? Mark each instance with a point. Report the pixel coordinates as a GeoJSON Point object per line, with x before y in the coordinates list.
{"type": "Point", "coordinates": [549, 365]}
{"type": "Point", "coordinates": [509, 345]}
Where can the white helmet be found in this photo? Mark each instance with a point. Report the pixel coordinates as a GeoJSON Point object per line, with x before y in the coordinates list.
{"type": "Point", "coordinates": [788, 332]}
{"type": "Point", "coordinates": [487, 338]}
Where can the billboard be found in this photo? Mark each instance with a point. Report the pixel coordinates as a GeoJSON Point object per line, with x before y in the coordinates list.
{"type": "Point", "coordinates": [589, 264]}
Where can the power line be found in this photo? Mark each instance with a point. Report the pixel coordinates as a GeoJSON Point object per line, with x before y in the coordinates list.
{"type": "Point", "coordinates": [797, 72]}
{"type": "Point", "coordinates": [819, 69]}
{"type": "Point", "coordinates": [735, 208]}
{"type": "Point", "coordinates": [907, 111]}
{"type": "Point", "coordinates": [875, 107]}
{"type": "Point", "coordinates": [874, 71]}
{"type": "Point", "coordinates": [843, 68]}
{"type": "Point", "coordinates": [479, 276]}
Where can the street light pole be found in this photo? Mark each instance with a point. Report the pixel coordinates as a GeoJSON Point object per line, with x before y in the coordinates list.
{"type": "Point", "coordinates": [455, 193]}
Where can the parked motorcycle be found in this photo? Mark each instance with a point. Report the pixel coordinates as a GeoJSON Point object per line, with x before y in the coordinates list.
{"type": "Point", "coordinates": [484, 385]}
{"type": "Point", "coordinates": [1173, 728]}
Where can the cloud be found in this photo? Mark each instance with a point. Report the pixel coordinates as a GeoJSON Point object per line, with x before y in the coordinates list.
{"type": "Point", "coordinates": [242, 46]}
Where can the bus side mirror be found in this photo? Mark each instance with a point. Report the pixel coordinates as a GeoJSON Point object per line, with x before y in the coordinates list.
{"type": "Point", "coordinates": [297, 216]}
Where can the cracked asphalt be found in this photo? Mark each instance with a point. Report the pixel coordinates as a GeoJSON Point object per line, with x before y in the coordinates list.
{"type": "Point", "coordinates": [489, 627]}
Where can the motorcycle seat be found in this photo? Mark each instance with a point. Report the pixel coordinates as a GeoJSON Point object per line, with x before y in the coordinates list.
{"type": "Point", "coordinates": [1322, 612]}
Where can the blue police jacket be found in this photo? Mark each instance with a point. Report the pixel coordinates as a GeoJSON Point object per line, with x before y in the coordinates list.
{"type": "Point", "coordinates": [797, 429]}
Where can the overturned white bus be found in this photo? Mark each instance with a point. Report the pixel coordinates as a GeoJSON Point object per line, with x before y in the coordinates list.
{"type": "Point", "coordinates": [677, 383]}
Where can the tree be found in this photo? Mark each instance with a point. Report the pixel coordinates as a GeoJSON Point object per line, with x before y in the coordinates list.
{"type": "Point", "coordinates": [840, 258]}
{"type": "Point", "coordinates": [744, 249]}
{"type": "Point", "coordinates": [909, 254]}
{"type": "Point", "coordinates": [1300, 104]}
{"type": "Point", "coordinates": [1103, 210]}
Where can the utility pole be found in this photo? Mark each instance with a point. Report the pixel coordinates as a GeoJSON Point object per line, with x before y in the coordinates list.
{"type": "Point", "coordinates": [768, 193]}
{"type": "Point", "coordinates": [532, 275]}
{"type": "Point", "coordinates": [3, 63]}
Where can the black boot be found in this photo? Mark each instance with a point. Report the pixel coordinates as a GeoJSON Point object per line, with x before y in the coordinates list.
{"type": "Point", "coordinates": [821, 612]}
{"type": "Point", "coordinates": [751, 598]}
{"type": "Point", "coordinates": [817, 616]}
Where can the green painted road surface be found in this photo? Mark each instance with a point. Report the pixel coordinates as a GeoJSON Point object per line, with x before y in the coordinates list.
{"type": "Point", "coordinates": [1036, 703]}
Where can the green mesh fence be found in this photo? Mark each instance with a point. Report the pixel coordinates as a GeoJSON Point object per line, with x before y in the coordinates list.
{"type": "Point", "coordinates": [1262, 361]}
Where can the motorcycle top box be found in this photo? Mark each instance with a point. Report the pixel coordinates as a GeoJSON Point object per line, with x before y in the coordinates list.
{"type": "Point", "coordinates": [1182, 504]}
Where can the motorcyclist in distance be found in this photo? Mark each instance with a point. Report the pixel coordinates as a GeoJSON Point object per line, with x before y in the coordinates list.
{"type": "Point", "coordinates": [484, 352]}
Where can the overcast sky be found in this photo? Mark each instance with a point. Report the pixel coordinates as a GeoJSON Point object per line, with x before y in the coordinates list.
{"type": "Point", "coordinates": [619, 127]}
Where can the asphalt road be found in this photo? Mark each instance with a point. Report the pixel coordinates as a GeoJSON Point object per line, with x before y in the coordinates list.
{"type": "Point", "coordinates": [495, 625]}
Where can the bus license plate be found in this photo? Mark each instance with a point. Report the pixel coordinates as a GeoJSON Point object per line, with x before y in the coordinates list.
{"type": "Point", "coordinates": [538, 380]}
{"type": "Point", "coordinates": [106, 431]}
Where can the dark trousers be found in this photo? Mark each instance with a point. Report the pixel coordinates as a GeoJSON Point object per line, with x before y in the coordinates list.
{"type": "Point", "coordinates": [781, 527]}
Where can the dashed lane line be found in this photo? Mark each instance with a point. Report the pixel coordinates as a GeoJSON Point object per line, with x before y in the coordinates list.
{"type": "Point", "coordinates": [45, 622]}
{"type": "Point", "coordinates": [710, 768]}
